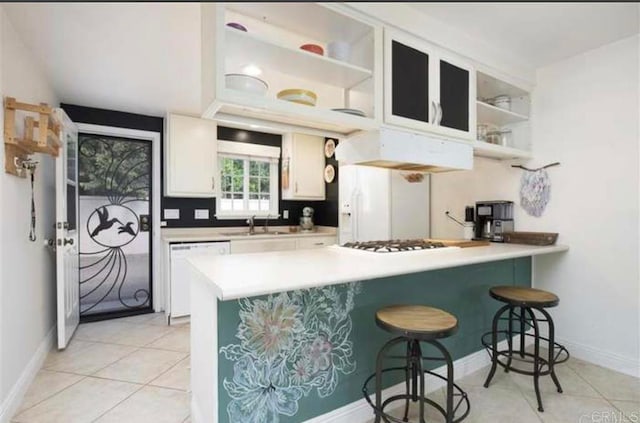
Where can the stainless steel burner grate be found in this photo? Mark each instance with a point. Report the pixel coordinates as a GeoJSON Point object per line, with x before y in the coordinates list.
{"type": "Point", "coordinates": [394, 245]}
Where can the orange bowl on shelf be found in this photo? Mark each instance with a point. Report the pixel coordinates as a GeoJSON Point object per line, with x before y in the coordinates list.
{"type": "Point", "coordinates": [300, 96]}
{"type": "Point", "coordinates": [313, 48]}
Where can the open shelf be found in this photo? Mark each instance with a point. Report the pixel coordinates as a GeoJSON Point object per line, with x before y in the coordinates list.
{"type": "Point", "coordinates": [489, 87]}
{"type": "Point", "coordinates": [245, 47]}
{"type": "Point", "coordinates": [497, 116]}
{"type": "Point", "coordinates": [314, 21]}
{"type": "Point", "coordinates": [485, 149]}
{"type": "Point", "coordinates": [271, 109]}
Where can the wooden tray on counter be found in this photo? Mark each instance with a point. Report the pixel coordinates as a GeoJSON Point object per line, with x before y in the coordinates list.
{"type": "Point", "coordinates": [530, 238]}
{"type": "Point", "coordinates": [462, 243]}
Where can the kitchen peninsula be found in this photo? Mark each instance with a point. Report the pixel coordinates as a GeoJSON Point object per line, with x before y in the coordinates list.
{"type": "Point", "coordinates": [289, 336]}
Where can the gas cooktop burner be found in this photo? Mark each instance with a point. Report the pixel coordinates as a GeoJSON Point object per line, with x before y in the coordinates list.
{"type": "Point", "coordinates": [394, 245]}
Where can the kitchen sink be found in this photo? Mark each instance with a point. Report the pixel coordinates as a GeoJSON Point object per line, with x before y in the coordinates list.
{"type": "Point", "coordinates": [256, 233]}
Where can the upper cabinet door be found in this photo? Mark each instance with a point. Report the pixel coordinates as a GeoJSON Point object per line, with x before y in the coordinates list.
{"type": "Point", "coordinates": [190, 157]}
{"type": "Point", "coordinates": [456, 98]}
{"type": "Point", "coordinates": [303, 162]}
{"type": "Point", "coordinates": [427, 90]}
{"type": "Point", "coordinates": [409, 84]}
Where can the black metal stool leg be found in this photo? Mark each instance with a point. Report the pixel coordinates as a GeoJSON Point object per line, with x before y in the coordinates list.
{"type": "Point", "coordinates": [494, 343]}
{"type": "Point", "coordinates": [407, 378]}
{"type": "Point", "coordinates": [450, 378]}
{"type": "Point", "coordinates": [422, 387]}
{"type": "Point", "coordinates": [509, 339]}
{"type": "Point", "coordinates": [379, 360]}
{"type": "Point", "coordinates": [536, 357]}
{"type": "Point", "coordinates": [552, 345]}
{"type": "Point", "coordinates": [523, 330]}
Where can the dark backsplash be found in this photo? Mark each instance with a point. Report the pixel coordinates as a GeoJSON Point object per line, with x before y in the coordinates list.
{"type": "Point", "coordinates": [326, 212]}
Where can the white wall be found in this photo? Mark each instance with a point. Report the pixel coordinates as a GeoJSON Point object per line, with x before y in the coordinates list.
{"type": "Point", "coordinates": [585, 115]}
{"type": "Point", "coordinates": [483, 54]}
{"type": "Point", "coordinates": [27, 276]}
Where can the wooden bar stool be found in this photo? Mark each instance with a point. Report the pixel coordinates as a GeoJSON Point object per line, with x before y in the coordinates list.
{"type": "Point", "coordinates": [521, 302]}
{"type": "Point", "coordinates": [416, 324]}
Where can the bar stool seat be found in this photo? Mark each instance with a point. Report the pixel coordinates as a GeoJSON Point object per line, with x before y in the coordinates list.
{"type": "Point", "coordinates": [416, 324]}
{"type": "Point", "coordinates": [520, 305]}
{"type": "Point", "coordinates": [417, 321]}
{"type": "Point", "coordinates": [524, 297]}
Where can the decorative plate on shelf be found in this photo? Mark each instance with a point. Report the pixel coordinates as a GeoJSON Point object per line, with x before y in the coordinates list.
{"type": "Point", "coordinates": [329, 148]}
{"type": "Point", "coordinates": [354, 112]}
{"type": "Point", "coordinates": [329, 173]}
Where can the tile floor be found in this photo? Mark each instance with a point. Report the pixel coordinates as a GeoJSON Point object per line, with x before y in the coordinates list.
{"type": "Point", "coordinates": [137, 370]}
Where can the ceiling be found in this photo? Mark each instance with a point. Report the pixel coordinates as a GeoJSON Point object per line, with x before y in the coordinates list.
{"type": "Point", "coordinates": [539, 34]}
{"type": "Point", "coordinates": [145, 57]}
{"type": "Point", "coordinates": [135, 57]}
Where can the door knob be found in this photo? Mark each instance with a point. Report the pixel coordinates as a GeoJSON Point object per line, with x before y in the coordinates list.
{"type": "Point", "coordinates": [65, 241]}
{"type": "Point", "coordinates": [50, 243]}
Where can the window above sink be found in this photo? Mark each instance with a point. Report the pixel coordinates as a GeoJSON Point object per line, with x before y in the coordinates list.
{"type": "Point", "coordinates": [248, 181]}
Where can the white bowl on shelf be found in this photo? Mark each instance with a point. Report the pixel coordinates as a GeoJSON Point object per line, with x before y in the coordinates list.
{"type": "Point", "coordinates": [339, 50]}
{"type": "Point", "coordinates": [246, 83]}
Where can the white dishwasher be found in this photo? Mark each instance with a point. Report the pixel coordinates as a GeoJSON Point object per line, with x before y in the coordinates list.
{"type": "Point", "coordinates": [179, 291]}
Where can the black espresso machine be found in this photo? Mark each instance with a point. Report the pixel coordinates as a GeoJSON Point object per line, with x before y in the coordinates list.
{"type": "Point", "coordinates": [493, 218]}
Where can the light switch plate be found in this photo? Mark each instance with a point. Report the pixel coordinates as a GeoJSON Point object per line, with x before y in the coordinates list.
{"type": "Point", "coordinates": [171, 214]}
{"type": "Point", "coordinates": [163, 223]}
{"type": "Point", "coordinates": [201, 214]}
{"type": "Point", "coordinates": [285, 214]}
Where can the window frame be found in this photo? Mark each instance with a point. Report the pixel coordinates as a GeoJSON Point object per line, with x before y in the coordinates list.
{"type": "Point", "coordinates": [274, 195]}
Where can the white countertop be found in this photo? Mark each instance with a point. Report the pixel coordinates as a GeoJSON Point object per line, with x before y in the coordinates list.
{"type": "Point", "coordinates": [246, 275]}
{"type": "Point", "coordinates": [222, 234]}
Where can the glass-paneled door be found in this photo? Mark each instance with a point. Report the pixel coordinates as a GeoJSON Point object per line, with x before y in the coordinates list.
{"type": "Point", "coordinates": [115, 185]}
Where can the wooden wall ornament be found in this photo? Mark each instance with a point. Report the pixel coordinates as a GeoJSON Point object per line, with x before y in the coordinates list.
{"type": "Point", "coordinates": [17, 150]}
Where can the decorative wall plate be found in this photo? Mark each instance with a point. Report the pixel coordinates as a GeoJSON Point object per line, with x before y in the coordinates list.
{"type": "Point", "coordinates": [329, 173]}
{"type": "Point", "coordinates": [329, 148]}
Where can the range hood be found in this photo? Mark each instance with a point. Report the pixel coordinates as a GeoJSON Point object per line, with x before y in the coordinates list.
{"type": "Point", "coordinates": [403, 150]}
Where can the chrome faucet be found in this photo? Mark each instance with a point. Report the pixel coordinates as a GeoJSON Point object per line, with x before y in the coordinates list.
{"type": "Point", "coordinates": [266, 224]}
{"type": "Point", "coordinates": [251, 224]}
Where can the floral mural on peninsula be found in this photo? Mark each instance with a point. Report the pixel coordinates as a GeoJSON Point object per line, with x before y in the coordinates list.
{"type": "Point", "coordinates": [290, 345]}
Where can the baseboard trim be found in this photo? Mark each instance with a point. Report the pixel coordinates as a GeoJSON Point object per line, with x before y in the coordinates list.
{"type": "Point", "coordinates": [602, 358]}
{"type": "Point", "coordinates": [360, 411]}
{"type": "Point", "coordinates": [16, 394]}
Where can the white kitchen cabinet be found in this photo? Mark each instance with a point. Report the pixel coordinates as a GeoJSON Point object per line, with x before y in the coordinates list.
{"type": "Point", "coordinates": [190, 157]}
{"type": "Point", "coordinates": [242, 246]}
{"type": "Point", "coordinates": [262, 245]}
{"type": "Point", "coordinates": [426, 88]}
{"type": "Point", "coordinates": [512, 119]}
{"type": "Point", "coordinates": [307, 243]}
{"type": "Point", "coordinates": [303, 165]}
{"type": "Point", "coordinates": [275, 32]}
